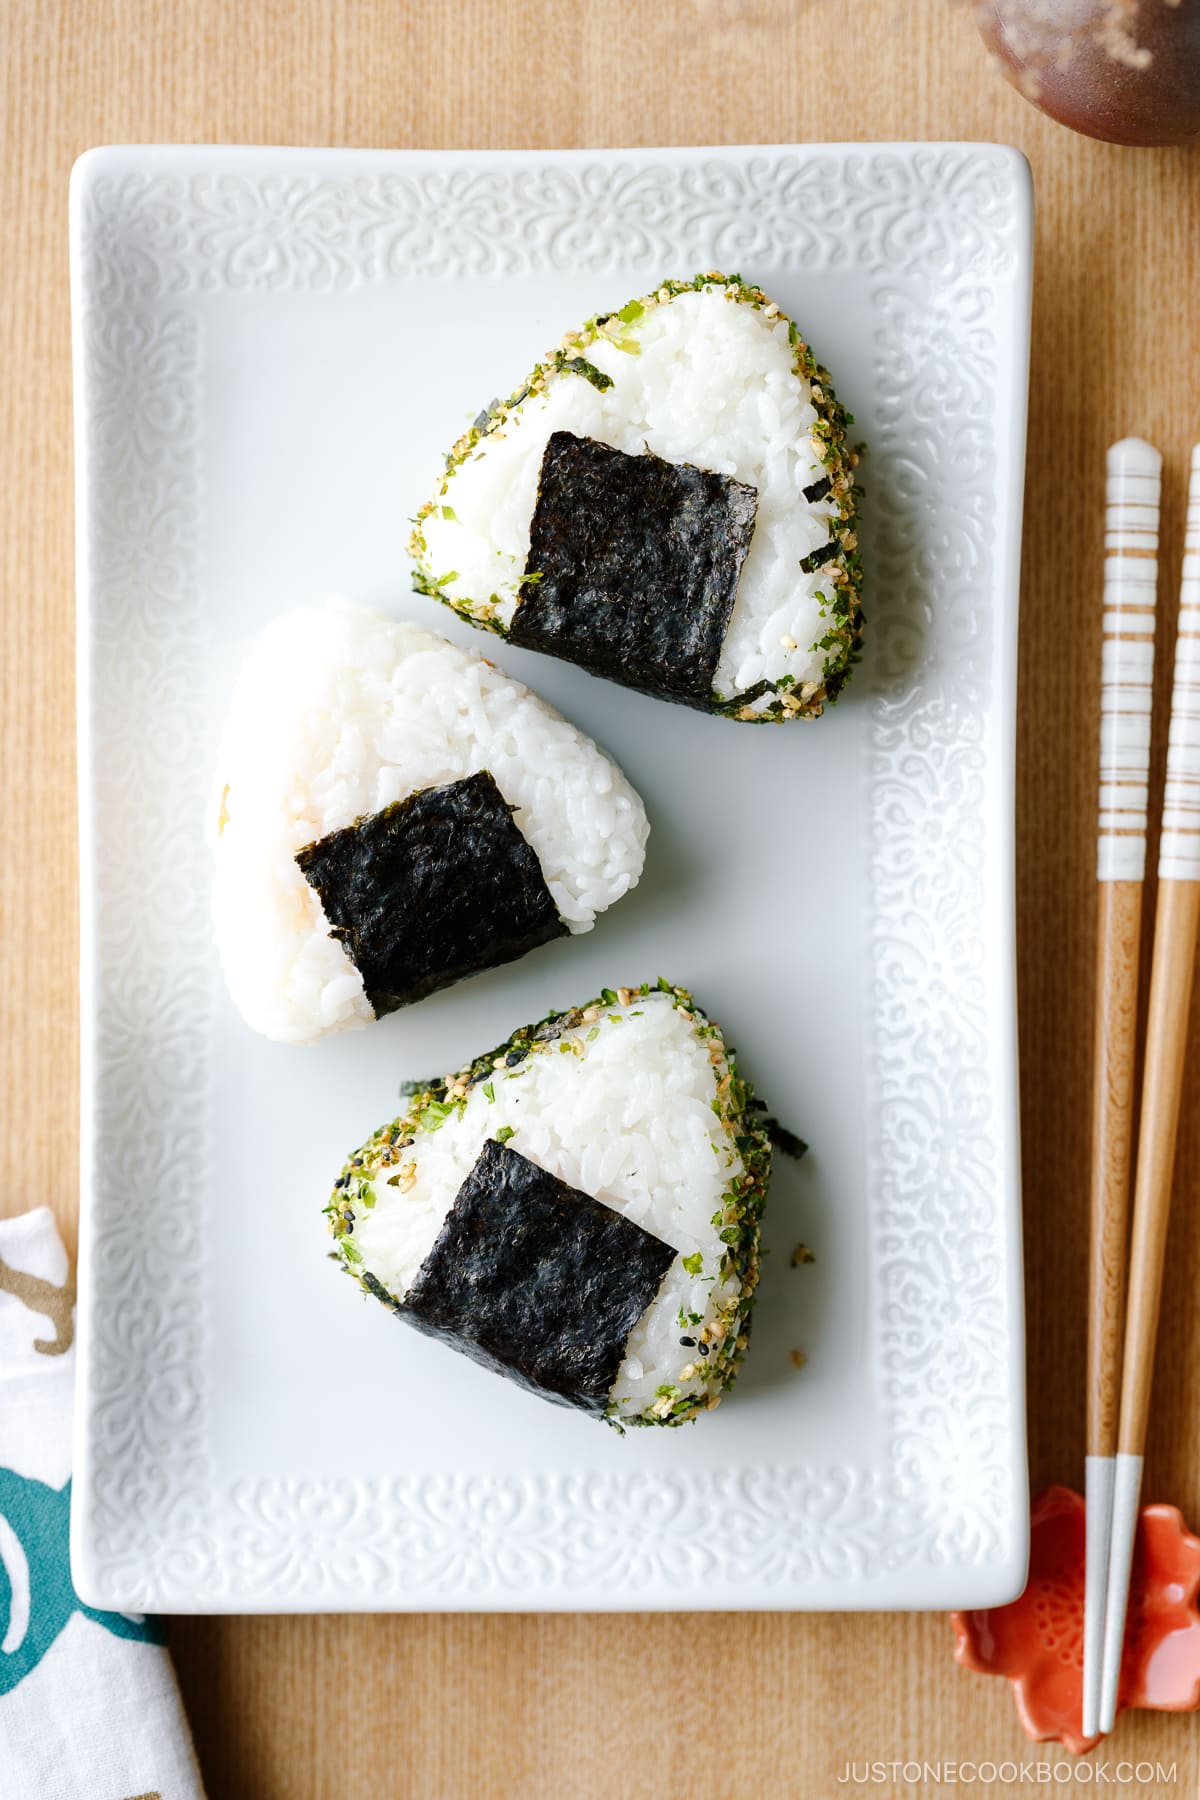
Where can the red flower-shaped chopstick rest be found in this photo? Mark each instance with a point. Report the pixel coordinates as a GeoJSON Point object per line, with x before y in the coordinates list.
{"type": "Point", "coordinates": [1037, 1641]}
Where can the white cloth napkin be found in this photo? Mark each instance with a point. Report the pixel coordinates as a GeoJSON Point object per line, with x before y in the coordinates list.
{"type": "Point", "coordinates": [89, 1708]}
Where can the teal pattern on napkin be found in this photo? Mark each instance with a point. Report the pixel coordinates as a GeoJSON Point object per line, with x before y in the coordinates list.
{"type": "Point", "coordinates": [39, 1517]}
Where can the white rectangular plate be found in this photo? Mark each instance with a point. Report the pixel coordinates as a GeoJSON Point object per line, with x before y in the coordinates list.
{"type": "Point", "coordinates": [273, 348]}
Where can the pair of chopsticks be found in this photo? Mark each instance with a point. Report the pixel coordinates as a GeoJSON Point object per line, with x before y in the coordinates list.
{"type": "Point", "coordinates": [1121, 1364]}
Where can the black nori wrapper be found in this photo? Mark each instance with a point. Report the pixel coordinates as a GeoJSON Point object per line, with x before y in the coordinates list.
{"type": "Point", "coordinates": [637, 563]}
{"type": "Point", "coordinates": [536, 1280]}
{"type": "Point", "coordinates": [432, 888]}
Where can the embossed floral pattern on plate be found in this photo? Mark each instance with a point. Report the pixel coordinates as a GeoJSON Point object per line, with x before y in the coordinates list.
{"type": "Point", "coordinates": [925, 250]}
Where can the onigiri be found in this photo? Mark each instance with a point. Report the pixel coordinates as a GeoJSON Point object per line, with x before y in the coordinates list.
{"type": "Point", "coordinates": [668, 500]}
{"type": "Point", "coordinates": [391, 814]}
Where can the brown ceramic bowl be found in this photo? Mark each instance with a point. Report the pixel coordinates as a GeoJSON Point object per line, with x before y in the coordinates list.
{"type": "Point", "coordinates": [1129, 73]}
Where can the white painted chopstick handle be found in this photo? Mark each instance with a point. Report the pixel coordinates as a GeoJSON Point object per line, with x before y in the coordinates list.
{"type": "Point", "coordinates": [1179, 847]}
{"type": "Point", "coordinates": [1127, 674]}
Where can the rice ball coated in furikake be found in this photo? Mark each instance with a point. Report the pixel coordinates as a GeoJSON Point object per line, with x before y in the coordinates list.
{"type": "Point", "coordinates": [668, 500]}
{"type": "Point", "coordinates": [577, 1209]}
{"type": "Point", "coordinates": [392, 813]}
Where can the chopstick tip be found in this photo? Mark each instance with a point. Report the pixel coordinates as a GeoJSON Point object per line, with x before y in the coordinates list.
{"type": "Point", "coordinates": [1134, 456]}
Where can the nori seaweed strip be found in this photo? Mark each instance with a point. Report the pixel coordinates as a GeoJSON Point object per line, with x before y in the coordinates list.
{"type": "Point", "coordinates": [579, 365]}
{"type": "Point", "coordinates": [785, 1140]}
{"type": "Point", "coordinates": [817, 558]}
{"type": "Point", "coordinates": [638, 562]}
{"type": "Point", "coordinates": [747, 697]}
{"type": "Point", "coordinates": [537, 1280]}
{"type": "Point", "coordinates": [376, 1287]}
{"type": "Point", "coordinates": [817, 490]}
{"type": "Point", "coordinates": [431, 889]}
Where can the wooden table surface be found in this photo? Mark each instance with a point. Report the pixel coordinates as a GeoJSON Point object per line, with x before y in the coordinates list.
{"type": "Point", "coordinates": [607, 1706]}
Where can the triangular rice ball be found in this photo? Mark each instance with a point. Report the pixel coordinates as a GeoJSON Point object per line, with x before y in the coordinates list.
{"type": "Point", "coordinates": [668, 501]}
{"type": "Point", "coordinates": [392, 813]}
{"type": "Point", "coordinates": [578, 1209]}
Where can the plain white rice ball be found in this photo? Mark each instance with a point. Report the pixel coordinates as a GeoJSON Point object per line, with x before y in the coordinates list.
{"type": "Point", "coordinates": [338, 713]}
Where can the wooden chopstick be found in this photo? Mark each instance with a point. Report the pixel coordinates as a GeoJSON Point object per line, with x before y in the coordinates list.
{"type": "Point", "coordinates": [1177, 915]}
{"type": "Point", "coordinates": [1134, 473]}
